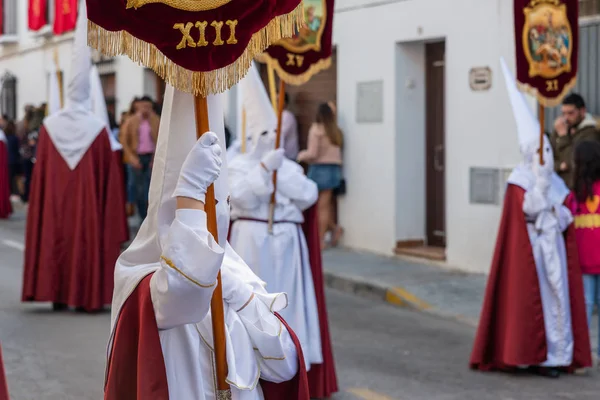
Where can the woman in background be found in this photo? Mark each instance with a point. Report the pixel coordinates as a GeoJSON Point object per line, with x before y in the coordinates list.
{"type": "Point", "coordinates": [324, 156]}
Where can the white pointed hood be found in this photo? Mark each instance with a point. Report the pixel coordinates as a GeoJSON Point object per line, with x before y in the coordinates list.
{"type": "Point", "coordinates": [528, 132]}
{"type": "Point", "coordinates": [528, 126]}
{"type": "Point", "coordinates": [75, 127]}
{"type": "Point", "coordinates": [54, 105]}
{"type": "Point", "coordinates": [177, 136]}
{"type": "Point", "coordinates": [98, 103]}
{"type": "Point", "coordinates": [260, 116]}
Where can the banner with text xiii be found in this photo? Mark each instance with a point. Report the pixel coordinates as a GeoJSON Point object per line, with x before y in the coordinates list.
{"type": "Point", "coordinates": [197, 46]}
{"type": "Point", "coordinates": [308, 52]}
{"type": "Point", "coordinates": [37, 14]}
{"type": "Point", "coordinates": [547, 41]}
{"type": "Point", "coordinates": [65, 15]}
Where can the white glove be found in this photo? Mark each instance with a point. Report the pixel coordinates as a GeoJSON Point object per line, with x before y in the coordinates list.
{"type": "Point", "coordinates": [200, 169]}
{"type": "Point", "coordinates": [236, 292]}
{"type": "Point", "coordinates": [273, 159]}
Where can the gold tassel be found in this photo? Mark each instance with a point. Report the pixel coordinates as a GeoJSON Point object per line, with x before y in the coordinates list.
{"type": "Point", "coordinates": [198, 83]}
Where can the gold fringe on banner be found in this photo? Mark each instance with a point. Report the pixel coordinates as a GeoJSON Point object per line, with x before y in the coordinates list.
{"type": "Point", "coordinates": [546, 102]}
{"type": "Point", "coordinates": [198, 83]}
{"type": "Point", "coordinates": [291, 79]}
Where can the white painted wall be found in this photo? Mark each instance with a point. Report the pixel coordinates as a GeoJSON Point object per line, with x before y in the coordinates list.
{"type": "Point", "coordinates": [381, 160]}
{"type": "Point", "coordinates": [31, 56]}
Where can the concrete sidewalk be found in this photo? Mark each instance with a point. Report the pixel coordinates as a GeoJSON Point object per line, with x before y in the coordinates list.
{"type": "Point", "coordinates": [406, 283]}
{"type": "Point", "coordinates": [412, 284]}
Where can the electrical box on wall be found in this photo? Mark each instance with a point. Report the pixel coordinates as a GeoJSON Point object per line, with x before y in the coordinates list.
{"type": "Point", "coordinates": [484, 186]}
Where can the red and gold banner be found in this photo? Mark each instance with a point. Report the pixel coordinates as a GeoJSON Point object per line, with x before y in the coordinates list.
{"type": "Point", "coordinates": [37, 14]}
{"type": "Point", "coordinates": [547, 42]}
{"type": "Point", "coordinates": [308, 52]}
{"type": "Point", "coordinates": [65, 15]}
{"type": "Point", "coordinates": [198, 46]}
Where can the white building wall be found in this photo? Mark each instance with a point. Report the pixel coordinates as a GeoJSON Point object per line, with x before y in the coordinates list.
{"type": "Point", "coordinates": [384, 162]}
{"type": "Point", "coordinates": [30, 55]}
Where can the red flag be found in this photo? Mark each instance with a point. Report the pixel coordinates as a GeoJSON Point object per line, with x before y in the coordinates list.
{"type": "Point", "coordinates": [1, 19]}
{"type": "Point", "coordinates": [65, 15]}
{"type": "Point", "coordinates": [308, 52]}
{"type": "Point", "coordinates": [547, 41]}
{"type": "Point", "coordinates": [37, 14]}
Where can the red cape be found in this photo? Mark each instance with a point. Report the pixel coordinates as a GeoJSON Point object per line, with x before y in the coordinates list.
{"type": "Point", "coordinates": [3, 385]}
{"type": "Point", "coordinates": [75, 226]}
{"type": "Point", "coordinates": [136, 369]}
{"type": "Point", "coordinates": [321, 377]}
{"type": "Point", "coordinates": [5, 206]}
{"type": "Point", "coordinates": [511, 327]}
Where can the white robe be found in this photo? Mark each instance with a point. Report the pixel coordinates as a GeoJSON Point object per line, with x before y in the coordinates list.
{"type": "Point", "coordinates": [258, 345]}
{"type": "Point", "coordinates": [548, 219]}
{"type": "Point", "coordinates": [280, 259]}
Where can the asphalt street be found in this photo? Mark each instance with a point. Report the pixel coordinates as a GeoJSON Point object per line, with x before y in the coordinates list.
{"type": "Point", "coordinates": [382, 352]}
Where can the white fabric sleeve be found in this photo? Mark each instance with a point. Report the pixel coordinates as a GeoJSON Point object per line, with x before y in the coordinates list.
{"type": "Point", "coordinates": [250, 189]}
{"type": "Point", "coordinates": [564, 217]}
{"type": "Point", "coordinates": [182, 288]}
{"type": "Point", "coordinates": [294, 185]}
{"type": "Point", "coordinates": [277, 353]}
{"type": "Point", "coordinates": [534, 202]}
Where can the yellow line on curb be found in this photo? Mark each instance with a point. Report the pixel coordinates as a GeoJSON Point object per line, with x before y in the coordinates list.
{"type": "Point", "coordinates": [402, 297]}
{"type": "Point", "coordinates": [368, 394]}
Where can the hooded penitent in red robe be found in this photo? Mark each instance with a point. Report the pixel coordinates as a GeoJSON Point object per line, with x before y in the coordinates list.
{"type": "Point", "coordinates": [136, 369]}
{"type": "Point", "coordinates": [322, 378]}
{"type": "Point", "coordinates": [74, 226]}
{"type": "Point", "coordinates": [3, 385]}
{"type": "Point", "coordinates": [5, 206]}
{"type": "Point", "coordinates": [511, 329]}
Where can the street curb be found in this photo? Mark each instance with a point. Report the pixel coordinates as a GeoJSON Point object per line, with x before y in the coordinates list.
{"type": "Point", "coordinates": [395, 296]}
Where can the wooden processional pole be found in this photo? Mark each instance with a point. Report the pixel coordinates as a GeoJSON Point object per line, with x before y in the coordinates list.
{"type": "Point", "coordinates": [280, 107]}
{"type": "Point", "coordinates": [216, 305]}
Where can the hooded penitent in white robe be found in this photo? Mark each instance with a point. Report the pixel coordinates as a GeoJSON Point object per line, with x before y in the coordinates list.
{"type": "Point", "coordinates": [98, 106]}
{"type": "Point", "coordinates": [281, 258]}
{"type": "Point", "coordinates": [547, 218]}
{"type": "Point", "coordinates": [184, 258]}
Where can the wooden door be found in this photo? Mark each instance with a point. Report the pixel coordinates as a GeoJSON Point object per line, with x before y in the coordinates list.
{"type": "Point", "coordinates": [435, 144]}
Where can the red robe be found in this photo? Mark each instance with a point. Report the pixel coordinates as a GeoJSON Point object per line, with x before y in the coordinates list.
{"type": "Point", "coordinates": [5, 206]}
{"type": "Point", "coordinates": [321, 377]}
{"type": "Point", "coordinates": [511, 327]}
{"type": "Point", "coordinates": [3, 385]}
{"type": "Point", "coordinates": [136, 369]}
{"type": "Point", "coordinates": [74, 226]}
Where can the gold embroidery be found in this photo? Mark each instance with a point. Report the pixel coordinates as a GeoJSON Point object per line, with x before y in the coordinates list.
{"type": "Point", "coordinates": [36, 7]}
{"type": "Point", "coordinates": [185, 5]}
{"type": "Point", "coordinates": [187, 39]}
{"type": "Point", "coordinates": [217, 25]}
{"type": "Point", "coordinates": [66, 7]}
{"type": "Point", "coordinates": [201, 25]}
{"type": "Point", "coordinates": [292, 79]}
{"type": "Point", "coordinates": [195, 282]}
{"type": "Point", "coordinates": [232, 25]}
{"type": "Point", "coordinates": [587, 221]}
{"type": "Point", "coordinates": [113, 43]}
